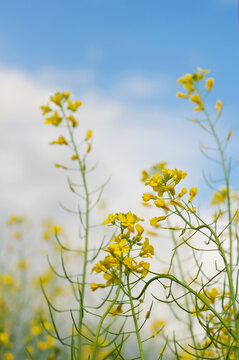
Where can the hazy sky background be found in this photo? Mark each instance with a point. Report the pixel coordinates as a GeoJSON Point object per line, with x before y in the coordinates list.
{"type": "Point", "coordinates": [122, 58]}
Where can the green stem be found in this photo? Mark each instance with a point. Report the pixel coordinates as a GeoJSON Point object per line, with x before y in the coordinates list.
{"type": "Point", "coordinates": [82, 171]}
{"type": "Point", "coordinates": [104, 316]}
{"type": "Point", "coordinates": [135, 320]}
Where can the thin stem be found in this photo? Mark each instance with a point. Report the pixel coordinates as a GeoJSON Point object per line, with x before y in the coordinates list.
{"type": "Point", "coordinates": [135, 319]}
{"type": "Point", "coordinates": [94, 353]}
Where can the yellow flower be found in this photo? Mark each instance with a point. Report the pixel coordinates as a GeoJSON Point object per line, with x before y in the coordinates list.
{"type": "Point", "coordinates": [147, 250]}
{"type": "Point", "coordinates": [147, 197]}
{"type": "Point", "coordinates": [111, 219]}
{"type": "Point", "coordinates": [56, 229]}
{"type": "Point", "coordinates": [171, 189]}
{"type": "Point", "coordinates": [74, 106]}
{"type": "Point", "coordinates": [178, 175]}
{"type": "Point", "coordinates": [185, 78]}
{"type": "Point", "coordinates": [29, 349]}
{"type": "Point", "coordinates": [118, 249]}
{"type": "Point", "coordinates": [8, 356]}
{"type": "Point", "coordinates": [50, 341]}
{"type": "Point", "coordinates": [230, 134]}
{"type": "Point", "coordinates": [139, 229]}
{"type": "Point", "coordinates": [6, 279]}
{"type": "Point", "coordinates": [67, 94]}
{"type": "Point", "coordinates": [4, 339]}
{"type": "Point", "coordinates": [219, 105]}
{"type": "Point", "coordinates": [144, 268]}
{"type": "Point", "coordinates": [95, 286]}
{"type": "Point", "coordinates": [88, 148]}
{"type": "Point", "coordinates": [73, 120]}
{"type": "Point", "coordinates": [88, 135]}
{"type": "Point", "coordinates": [57, 98]}
{"type": "Point", "coordinates": [182, 192]}
{"type": "Point", "coordinates": [15, 220]}
{"type": "Point", "coordinates": [60, 141]}
{"type": "Point", "coordinates": [160, 203]}
{"type": "Point", "coordinates": [129, 262]}
{"type": "Point", "coordinates": [144, 175]}
{"type": "Point", "coordinates": [36, 330]}
{"type": "Point", "coordinates": [209, 84]}
{"type": "Point", "coordinates": [45, 109]}
{"type": "Point", "coordinates": [219, 196]}
{"type": "Point", "coordinates": [196, 99]}
{"type": "Point", "coordinates": [154, 221]}
{"type": "Point", "coordinates": [128, 219]}
{"type": "Point", "coordinates": [61, 166]}
{"type": "Point", "coordinates": [192, 193]}
{"type": "Point", "coordinates": [181, 95]}
{"type": "Point", "coordinates": [212, 294]}
{"type": "Point", "coordinates": [42, 345]}
{"type": "Point", "coordinates": [55, 119]}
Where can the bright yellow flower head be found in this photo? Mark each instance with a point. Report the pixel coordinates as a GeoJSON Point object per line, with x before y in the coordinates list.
{"type": "Point", "coordinates": [147, 197]}
{"type": "Point", "coordinates": [74, 106]}
{"type": "Point", "coordinates": [55, 119]}
{"type": "Point", "coordinates": [57, 98]}
{"type": "Point", "coordinates": [160, 203]}
{"type": "Point", "coordinates": [45, 109]}
{"type": "Point", "coordinates": [95, 286]}
{"type": "Point", "coordinates": [182, 192]}
{"type": "Point", "coordinates": [60, 141]}
{"type": "Point", "coordinates": [196, 99]}
{"type": "Point", "coordinates": [147, 250]}
{"type": "Point", "coordinates": [192, 193]}
{"type": "Point", "coordinates": [139, 229]}
{"type": "Point", "coordinates": [110, 220]}
{"type": "Point", "coordinates": [144, 175]}
{"type": "Point", "coordinates": [73, 121]}
{"type": "Point", "coordinates": [182, 95]}
{"type": "Point", "coordinates": [209, 84]}
{"type": "Point", "coordinates": [88, 135]}
{"type": "Point", "coordinates": [154, 221]}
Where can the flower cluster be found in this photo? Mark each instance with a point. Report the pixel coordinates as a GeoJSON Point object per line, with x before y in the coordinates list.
{"type": "Point", "coordinates": [190, 83]}
{"type": "Point", "coordinates": [62, 109]}
{"type": "Point", "coordinates": [119, 250]}
{"type": "Point", "coordinates": [165, 184]}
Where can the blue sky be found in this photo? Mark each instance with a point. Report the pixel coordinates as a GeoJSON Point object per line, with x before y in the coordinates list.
{"type": "Point", "coordinates": [122, 58]}
{"type": "Point", "coordinates": [115, 38]}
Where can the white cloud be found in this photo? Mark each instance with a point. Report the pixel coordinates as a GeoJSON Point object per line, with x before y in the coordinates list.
{"type": "Point", "coordinates": [126, 139]}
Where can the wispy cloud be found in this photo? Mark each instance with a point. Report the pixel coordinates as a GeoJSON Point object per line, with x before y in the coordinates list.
{"type": "Point", "coordinates": [142, 86]}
